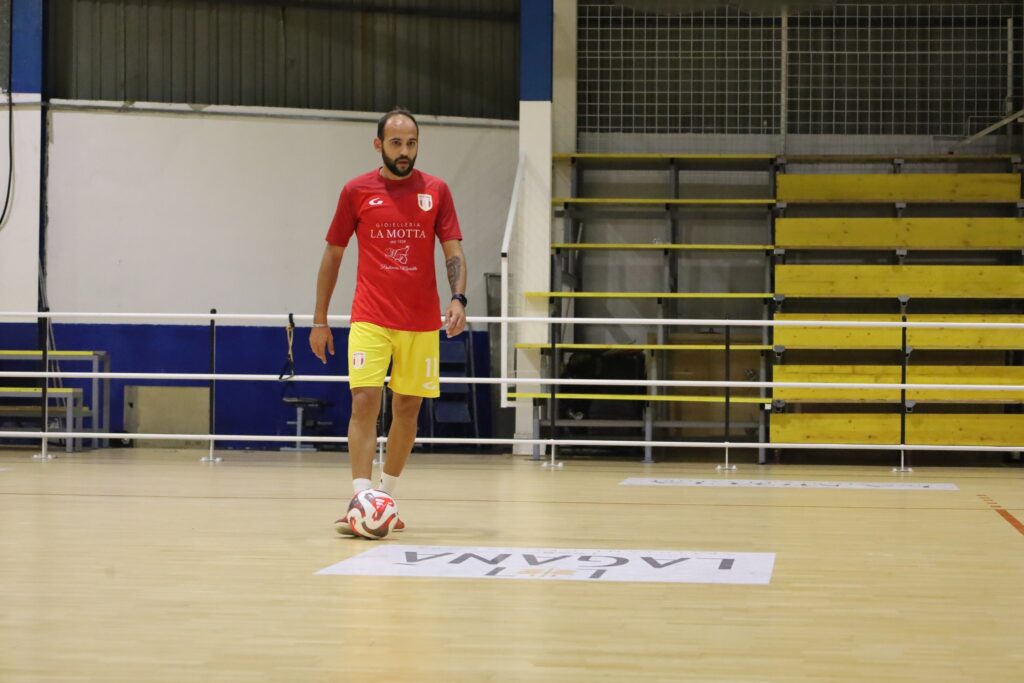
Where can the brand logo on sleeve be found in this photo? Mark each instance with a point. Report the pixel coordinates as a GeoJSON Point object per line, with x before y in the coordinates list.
{"type": "Point", "coordinates": [376, 201]}
{"type": "Point", "coordinates": [425, 201]}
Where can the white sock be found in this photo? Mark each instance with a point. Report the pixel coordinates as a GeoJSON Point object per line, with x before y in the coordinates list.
{"type": "Point", "coordinates": [388, 483]}
{"type": "Point", "coordinates": [361, 485]}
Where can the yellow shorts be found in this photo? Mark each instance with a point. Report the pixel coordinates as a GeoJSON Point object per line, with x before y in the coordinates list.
{"type": "Point", "coordinates": [415, 356]}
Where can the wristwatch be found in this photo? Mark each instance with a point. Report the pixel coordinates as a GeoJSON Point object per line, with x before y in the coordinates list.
{"type": "Point", "coordinates": [461, 298]}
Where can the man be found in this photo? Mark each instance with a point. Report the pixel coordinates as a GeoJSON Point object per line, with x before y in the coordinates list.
{"type": "Point", "coordinates": [395, 212]}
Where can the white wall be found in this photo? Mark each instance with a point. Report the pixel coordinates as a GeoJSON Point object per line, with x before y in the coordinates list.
{"type": "Point", "coordinates": [19, 233]}
{"type": "Point", "coordinates": [178, 211]}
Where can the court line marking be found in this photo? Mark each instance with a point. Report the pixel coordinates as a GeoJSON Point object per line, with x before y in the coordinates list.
{"type": "Point", "coordinates": [788, 484]}
{"type": "Point", "coordinates": [1004, 513]}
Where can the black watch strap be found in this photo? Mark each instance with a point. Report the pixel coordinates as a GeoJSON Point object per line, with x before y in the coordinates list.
{"type": "Point", "coordinates": [461, 298]}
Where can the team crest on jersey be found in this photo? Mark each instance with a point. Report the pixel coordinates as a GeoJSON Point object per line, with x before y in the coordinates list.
{"type": "Point", "coordinates": [426, 201]}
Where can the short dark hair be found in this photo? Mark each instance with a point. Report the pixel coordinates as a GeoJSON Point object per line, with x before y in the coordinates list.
{"type": "Point", "coordinates": [397, 111]}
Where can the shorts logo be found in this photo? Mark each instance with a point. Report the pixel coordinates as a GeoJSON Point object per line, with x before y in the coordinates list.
{"type": "Point", "coordinates": [425, 201]}
{"type": "Point", "coordinates": [376, 201]}
{"type": "Point", "coordinates": [358, 359]}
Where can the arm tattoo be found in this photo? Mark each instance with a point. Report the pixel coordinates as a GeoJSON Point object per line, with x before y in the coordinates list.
{"type": "Point", "coordinates": [454, 271]}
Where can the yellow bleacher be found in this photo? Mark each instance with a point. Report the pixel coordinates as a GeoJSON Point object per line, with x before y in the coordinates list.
{"type": "Point", "coordinates": [900, 233]}
{"type": "Point", "coordinates": [654, 201]}
{"type": "Point", "coordinates": [592, 246]}
{"type": "Point", "coordinates": [890, 374]}
{"type": "Point", "coordinates": [877, 338]}
{"type": "Point", "coordinates": [936, 429]}
{"type": "Point", "coordinates": [944, 188]}
{"type": "Point", "coordinates": [969, 292]}
{"type": "Point", "coordinates": [875, 281]}
{"type": "Point", "coordinates": [657, 156]}
{"type": "Point", "coordinates": [647, 295]}
{"type": "Point", "coordinates": [664, 398]}
{"type": "Point", "coordinates": [645, 347]}
{"type": "Point", "coordinates": [963, 288]}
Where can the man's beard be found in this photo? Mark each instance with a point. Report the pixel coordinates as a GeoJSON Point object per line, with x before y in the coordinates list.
{"type": "Point", "coordinates": [392, 165]}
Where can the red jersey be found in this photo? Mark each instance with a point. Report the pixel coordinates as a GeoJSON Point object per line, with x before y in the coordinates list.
{"type": "Point", "coordinates": [396, 222]}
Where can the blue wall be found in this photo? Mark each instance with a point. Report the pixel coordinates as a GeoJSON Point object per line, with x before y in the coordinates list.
{"type": "Point", "coordinates": [27, 46]}
{"type": "Point", "coordinates": [241, 407]}
{"type": "Point", "coordinates": [536, 50]}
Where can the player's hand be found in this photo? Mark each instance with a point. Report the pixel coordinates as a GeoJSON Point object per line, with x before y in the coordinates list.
{"type": "Point", "coordinates": [320, 338]}
{"type": "Point", "coordinates": [454, 319]}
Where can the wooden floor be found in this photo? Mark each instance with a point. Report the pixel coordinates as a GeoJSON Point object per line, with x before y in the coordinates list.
{"type": "Point", "coordinates": [132, 565]}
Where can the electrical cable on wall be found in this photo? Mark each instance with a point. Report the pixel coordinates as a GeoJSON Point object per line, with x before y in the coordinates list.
{"type": "Point", "coordinates": [10, 120]}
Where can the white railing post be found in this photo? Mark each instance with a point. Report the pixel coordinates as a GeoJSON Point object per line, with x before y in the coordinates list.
{"type": "Point", "coordinates": [506, 242]}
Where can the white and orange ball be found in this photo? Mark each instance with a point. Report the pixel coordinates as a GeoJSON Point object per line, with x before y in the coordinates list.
{"type": "Point", "coordinates": [372, 514]}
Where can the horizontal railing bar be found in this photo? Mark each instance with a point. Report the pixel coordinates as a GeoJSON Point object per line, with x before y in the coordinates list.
{"type": "Point", "coordinates": [680, 322]}
{"type": "Point", "coordinates": [198, 376]}
{"type": "Point", "coordinates": [513, 441]}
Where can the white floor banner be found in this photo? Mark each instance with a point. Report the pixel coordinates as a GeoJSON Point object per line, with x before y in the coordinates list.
{"type": "Point", "coordinates": [650, 566]}
{"type": "Point", "coordinates": [773, 484]}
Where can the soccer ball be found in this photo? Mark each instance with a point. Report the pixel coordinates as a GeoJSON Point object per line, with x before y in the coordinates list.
{"type": "Point", "coordinates": [372, 513]}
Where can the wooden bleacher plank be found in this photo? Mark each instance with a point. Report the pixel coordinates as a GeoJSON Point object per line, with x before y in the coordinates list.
{"type": "Point", "coordinates": [838, 337]}
{"type": "Point", "coordinates": [903, 187]}
{"type": "Point", "coordinates": [643, 397]}
{"type": "Point", "coordinates": [54, 355]}
{"type": "Point", "coordinates": [33, 391]}
{"type": "Point", "coordinates": [929, 282]}
{"type": "Point", "coordinates": [657, 156]}
{"type": "Point", "coordinates": [663, 247]}
{"type": "Point", "coordinates": [793, 159]}
{"type": "Point", "coordinates": [648, 347]}
{"type": "Point", "coordinates": [900, 233]}
{"type": "Point", "coordinates": [863, 428]}
{"type": "Point", "coordinates": [921, 428]}
{"type": "Point", "coordinates": [33, 411]}
{"type": "Point", "coordinates": [890, 374]}
{"type": "Point", "coordinates": [891, 338]}
{"type": "Point", "coordinates": [974, 430]}
{"type": "Point", "coordinates": [884, 158]}
{"type": "Point", "coordinates": [651, 201]}
{"type": "Point", "coordinates": [647, 295]}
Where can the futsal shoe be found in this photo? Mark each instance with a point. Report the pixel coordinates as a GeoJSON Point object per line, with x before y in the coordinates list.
{"type": "Point", "coordinates": [345, 529]}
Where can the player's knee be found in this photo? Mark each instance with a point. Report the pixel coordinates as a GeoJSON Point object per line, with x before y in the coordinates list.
{"type": "Point", "coordinates": [365, 405]}
{"type": "Point", "coordinates": [406, 408]}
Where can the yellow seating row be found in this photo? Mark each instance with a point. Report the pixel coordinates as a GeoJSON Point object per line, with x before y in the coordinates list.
{"type": "Point", "coordinates": [863, 188]}
{"type": "Point", "coordinates": [647, 295]}
{"type": "Point", "coordinates": [666, 398]}
{"type": "Point", "coordinates": [646, 347]}
{"type": "Point", "coordinates": [857, 281]}
{"type": "Point", "coordinates": [936, 429]}
{"type": "Point", "coordinates": [654, 201]}
{"type": "Point", "coordinates": [890, 374]}
{"type": "Point", "coordinates": [971, 188]}
{"type": "Point", "coordinates": [872, 281]}
{"type": "Point", "coordinates": [872, 338]}
{"type": "Point", "coordinates": [647, 246]}
{"type": "Point", "coordinates": [790, 159]}
{"type": "Point", "coordinates": [900, 233]}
